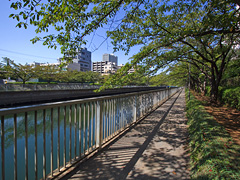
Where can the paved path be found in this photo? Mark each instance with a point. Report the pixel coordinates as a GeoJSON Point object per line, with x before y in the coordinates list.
{"type": "Point", "coordinates": [156, 148]}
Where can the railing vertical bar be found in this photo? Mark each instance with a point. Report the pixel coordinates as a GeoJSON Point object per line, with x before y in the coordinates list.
{"type": "Point", "coordinates": [95, 140]}
{"type": "Point", "coordinates": [115, 118]}
{"type": "Point", "coordinates": [15, 146]}
{"type": "Point", "coordinates": [36, 152]}
{"type": "Point", "coordinates": [107, 121]}
{"type": "Point", "coordinates": [88, 127]}
{"type": "Point", "coordinates": [118, 113]}
{"type": "Point", "coordinates": [52, 142]}
{"type": "Point", "coordinates": [113, 101]}
{"type": "Point", "coordinates": [103, 119]}
{"type": "Point", "coordinates": [84, 133]}
{"type": "Point", "coordinates": [107, 118]}
{"type": "Point", "coordinates": [80, 125]}
{"type": "Point", "coordinates": [108, 112]}
{"type": "Point", "coordinates": [144, 104]}
{"type": "Point", "coordinates": [111, 119]}
{"type": "Point", "coordinates": [110, 100]}
{"type": "Point", "coordinates": [111, 115]}
{"type": "Point", "coordinates": [134, 108]}
{"type": "Point", "coordinates": [2, 145]}
{"type": "Point", "coordinates": [121, 113]}
{"type": "Point", "coordinates": [75, 127]}
{"type": "Point", "coordinates": [100, 110]}
{"type": "Point", "coordinates": [26, 146]}
{"type": "Point", "coordinates": [70, 134]}
{"type": "Point", "coordinates": [92, 117]}
{"type": "Point", "coordinates": [123, 122]}
{"type": "Point", "coordinates": [58, 148]}
{"type": "Point", "coordinates": [44, 144]}
{"type": "Point", "coordinates": [64, 137]}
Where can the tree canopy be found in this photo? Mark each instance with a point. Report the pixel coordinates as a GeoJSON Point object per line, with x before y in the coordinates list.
{"type": "Point", "coordinates": [203, 33]}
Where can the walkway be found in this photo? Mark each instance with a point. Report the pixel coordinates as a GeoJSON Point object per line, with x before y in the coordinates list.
{"type": "Point", "coordinates": [156, 148]}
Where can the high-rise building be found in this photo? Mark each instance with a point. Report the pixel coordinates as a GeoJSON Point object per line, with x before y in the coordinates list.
{"type": "Point", "coordinates": [82, 61]}
{"type": "Point", "coordinates": [83, 58]}
{"type": "Point", "coordinates": [110, 58]}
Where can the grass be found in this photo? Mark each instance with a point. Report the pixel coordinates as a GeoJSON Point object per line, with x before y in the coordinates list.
{"type": "Point", "coordinates": [214, 155]}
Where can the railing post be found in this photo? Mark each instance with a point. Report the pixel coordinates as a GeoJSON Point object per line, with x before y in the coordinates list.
{"type": "Point", "coordinates": [135, 108]}
{"type": "Point", "coordinates": [3, 148]}
{"type": "Point", "coordinates": [100, 121]}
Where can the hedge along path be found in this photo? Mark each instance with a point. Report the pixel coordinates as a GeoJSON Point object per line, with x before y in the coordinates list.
{"type": "Point", "coordinates": [226, 116]}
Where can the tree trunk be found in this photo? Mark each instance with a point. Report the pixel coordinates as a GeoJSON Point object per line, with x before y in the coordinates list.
{"type": "Point", "coordinates": [214, 86]}
{"type": "Point", "coordinates": [214, 91]}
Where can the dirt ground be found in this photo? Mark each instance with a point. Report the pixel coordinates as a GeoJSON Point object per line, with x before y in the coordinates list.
{"type": "Point", "coordinates": [226, 116]}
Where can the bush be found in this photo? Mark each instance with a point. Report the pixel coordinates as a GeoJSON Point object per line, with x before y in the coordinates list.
{"type": "Point", "coordinates": [231, 97]}
{"type": "Point", "coordinates": [208, 90]}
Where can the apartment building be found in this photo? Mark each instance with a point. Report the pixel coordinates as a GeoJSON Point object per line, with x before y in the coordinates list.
{"type": "Point", "coordinates": [108, 65]}
{"type": "Point", "coordinates": [83, 58]}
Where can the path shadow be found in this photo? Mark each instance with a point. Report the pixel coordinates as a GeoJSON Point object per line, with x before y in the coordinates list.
{"type": "Point", "coordinates": [118, 160]}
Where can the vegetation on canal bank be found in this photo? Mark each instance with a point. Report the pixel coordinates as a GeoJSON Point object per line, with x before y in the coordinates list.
{"type": "Point", "coordinates": [214, 155]}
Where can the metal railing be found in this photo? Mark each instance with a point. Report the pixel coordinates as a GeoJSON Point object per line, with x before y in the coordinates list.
{"type": "Point", "coordinates": [42, 141]}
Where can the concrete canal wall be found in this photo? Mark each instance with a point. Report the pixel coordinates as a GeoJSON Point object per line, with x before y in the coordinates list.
{"type": "Point", "coordinates": [16, 98]}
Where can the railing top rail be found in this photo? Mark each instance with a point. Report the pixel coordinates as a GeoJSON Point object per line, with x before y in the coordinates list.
{"type": "Point", "coordinates": [21, 109]}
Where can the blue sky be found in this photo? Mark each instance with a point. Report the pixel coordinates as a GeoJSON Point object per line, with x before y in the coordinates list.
{"type": "Point", "coordinates": [15, 43]}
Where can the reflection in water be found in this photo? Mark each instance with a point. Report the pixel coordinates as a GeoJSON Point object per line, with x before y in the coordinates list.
{"type": "Point", "coordinates": [79, 118]}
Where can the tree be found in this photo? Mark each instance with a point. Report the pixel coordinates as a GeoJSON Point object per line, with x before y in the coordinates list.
{"type": "Point", "coordinates": [47, 73]}
{"type": "Point", "coordinates": [201, 33]}
{"type": "Point", "coordinates": [23, 72]}
{"type": "Point", "coordinates": [92, 77]}
{"type": "Point", "coordinates": [5, 68]}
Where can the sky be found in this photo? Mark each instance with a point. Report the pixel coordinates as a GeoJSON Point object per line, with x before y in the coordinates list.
{"type": "Point", "coordinates": [15, 43]}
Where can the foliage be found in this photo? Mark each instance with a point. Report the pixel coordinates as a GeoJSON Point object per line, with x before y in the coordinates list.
{"type": "Point", "coordinates": [47, 73]}
{"type": "Point", "coordinates": [5, 68]}
{"type": "Point", "coordinates": [78, 76]}
{"type": "Point", "coordinates": [232, 97]}
{"type": "Point", "coordinates": [214, 155]}
{"type": "Point", "coordinates": [202, 33]}
{"type": "Point", "coordinates": [231, 76]}
{"type": "Point", "coordinates": [23, 72]}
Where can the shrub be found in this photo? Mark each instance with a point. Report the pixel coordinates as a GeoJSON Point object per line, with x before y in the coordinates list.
{"type": "Point", "coordinates": [231, 97]}
{"type": "Point", "coordinates": [213, 153]}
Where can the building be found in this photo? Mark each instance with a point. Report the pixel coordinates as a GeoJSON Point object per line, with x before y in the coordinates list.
{"type": "Point", "coordinates": [83, 58]}
{"type": "Point", "coordinates": [104, 67]}
{"type": "Point", "coordinates": [81, 62]}
{"type": "Point", "coordinates": [132, 70]}
{"type": "Point", "coordinates": [110, 58]}
{"type": "Point", "coordinates": [108, 65]}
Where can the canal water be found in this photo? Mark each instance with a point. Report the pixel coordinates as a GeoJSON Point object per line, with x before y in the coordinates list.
{"type": "Point", "coordinates": [88, 133]}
